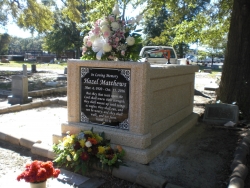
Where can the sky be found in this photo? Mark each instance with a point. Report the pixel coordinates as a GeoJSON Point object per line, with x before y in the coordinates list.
{"type": "Point", "coordinates": [14, 30]}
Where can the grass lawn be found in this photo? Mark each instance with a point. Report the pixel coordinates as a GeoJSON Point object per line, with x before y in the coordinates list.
{"type": "Point", "coordinates": [19, 64]}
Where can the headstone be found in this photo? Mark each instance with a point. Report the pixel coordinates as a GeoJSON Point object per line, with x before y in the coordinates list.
{"type": "Point", "coordinates": [221, 113]}
{"type": "Point", "coordinates": [24, 69]}
{"type": "Point", "coordinates": [33, 68]}
{"type": "Point", "coordinates": [65, 70]}
{"type": "Point", "coordinates": [208, 70]}
{"type": "Point", "coordinates": [19, 90]}
{"type": "Point", "coordinates": [105, 96]}
{"type": "Point", "coordinates": [211, 87]}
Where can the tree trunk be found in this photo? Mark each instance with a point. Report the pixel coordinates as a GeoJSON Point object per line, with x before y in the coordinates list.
{"type": "Point", "coordinates": [235, 80]}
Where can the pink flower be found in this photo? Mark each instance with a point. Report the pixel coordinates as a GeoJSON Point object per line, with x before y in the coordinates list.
{"type": "Point", "coordinates": [84, 49]}
{"type": "Point", "coordinates": [89, 43]}
{"type": "Point", "coordinates": [122, 52]}
{"type": "Point", "coordinates": [117, 39]}
{"type": "Point", "coordinates": [111, 18]}
{"type": "Point", "coordinates": [98, 21]}
{"type": "Point", "coordinates": [106, 34]}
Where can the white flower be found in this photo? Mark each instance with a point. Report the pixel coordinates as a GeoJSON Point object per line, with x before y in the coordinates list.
{"type": "Point", "coordinates": [106, 47]}
{"type": "Point", "coordinates": [88, 144]}
{"type": "Point", "coordinates": [61, 146]}
{"type": "Point", "coordinates": [85, 39]}
{"type": "Point", "coordinates": [130, 40]}
{"type": "Point", "coordinates": [116, 10]}
{"type": "Point", "coordinates": [68, 158]}
{"type": "Point", "coordinates": [105, 28]}
{"type": "Point", "coordinates": [104, 22]}
{"type": "Point", "coordinates": [92, 38]}
{"type": "Point", "coordinates": [97, 44]}
{"type": "Point", "coordinates": [115, 26]}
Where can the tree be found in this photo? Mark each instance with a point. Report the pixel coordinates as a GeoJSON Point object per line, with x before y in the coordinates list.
{"type": "Point", "coordinates": [4, 43]}
{"type": "Point", "coordinates": [235, 80]}
{"type": "Point", "coordinates": [174, 24]}
{"type": "Point", "coordinates": [65, 36]}
{"type": "Point", "coordinates": [3, 15]}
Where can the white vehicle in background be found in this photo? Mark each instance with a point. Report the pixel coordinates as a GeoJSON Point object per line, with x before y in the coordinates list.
{"type": "Point", "coordinates": [158, 54]}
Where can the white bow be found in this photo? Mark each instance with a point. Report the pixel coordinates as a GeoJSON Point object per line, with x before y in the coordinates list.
{"type": "Point", "coordinates": [97, 46]}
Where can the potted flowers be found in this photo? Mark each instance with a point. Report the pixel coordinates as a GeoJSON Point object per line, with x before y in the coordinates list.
{"type": "Point", "coordinates": [37, 173]}
{"type": "Point", "coordinates": [112, 38]}
{"type": "Point", "coordinates": [85, 149]}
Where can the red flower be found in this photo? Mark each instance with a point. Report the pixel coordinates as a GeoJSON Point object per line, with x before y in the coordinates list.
{"type": "Point", "coordinates": [93, 141]}
{"type": "Point", "coordinates": [77, 146]}
{"type": "Point", "coordinates": [84, 156]}
{"type": "Point", "coordinates": [38, 171]}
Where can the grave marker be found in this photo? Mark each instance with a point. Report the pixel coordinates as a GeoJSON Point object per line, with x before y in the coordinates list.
{"type": "Point", "coordinates": [19, 90]}
{"type": "Point", "coordinates": [221, 113]}
{"type": "Point", "coordinates": [24, 69]}
{"type": "Point", "coordinates": [105, 96]}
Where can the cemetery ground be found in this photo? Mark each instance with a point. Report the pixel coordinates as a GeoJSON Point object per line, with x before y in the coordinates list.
{"type": "Point", "coordinates": [200, 158]}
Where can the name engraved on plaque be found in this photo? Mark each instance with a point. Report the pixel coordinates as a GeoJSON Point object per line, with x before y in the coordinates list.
{"type": "Point", "coordinates": [105, 96]}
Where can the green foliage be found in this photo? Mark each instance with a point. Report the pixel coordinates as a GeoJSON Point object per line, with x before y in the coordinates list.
{"type": "Point", "coordinates": [36, 16]}
{"type": "Point", "coordinates": [72, 10]}
{"type": "Point", "coordinates": [4, 43]}
{"type": "Point", "coordinates": [65, 35]}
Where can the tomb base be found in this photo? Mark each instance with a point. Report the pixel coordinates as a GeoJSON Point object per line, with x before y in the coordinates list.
{"type": "Point", "coordinates": [17, 100]}
{"type": "Point", "coordinates": [140, 106]}
{"type": "Point", "coordinates": [142, 156]}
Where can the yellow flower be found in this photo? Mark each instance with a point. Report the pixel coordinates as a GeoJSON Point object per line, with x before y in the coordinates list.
{"type": "Point", "coordinates": [101, 149]}
{"type": "Point", "coordinates": [82, 143]}
{"type": "Point", "coordinates": [68, 158]}
{"type": "Point", "coordinates": [72, 153]}
{"type": "Point", "coordinates": [73, 136]}
{"type": "Point", "coordinates": [98, 138]}
{"type": "Point", "coordinates": [67, 140]}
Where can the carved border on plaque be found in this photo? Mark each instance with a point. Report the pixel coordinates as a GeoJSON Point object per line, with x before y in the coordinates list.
{"type": "Point", "coordinates": [126, 74]}
{"type": "Point", "coordinates": [84, 71]}
{"type": "Point", "coordinates": [124, 124]}
{"type": "Point", "coordinates": [84, 118]}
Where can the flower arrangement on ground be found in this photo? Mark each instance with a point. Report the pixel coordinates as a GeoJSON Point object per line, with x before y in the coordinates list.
{"type": "Point", "coordinates": [81, 151]}
{"type": "Point", "coordinates": [38, 171]}
{"type": "Point", "coordinates": [113, 38]}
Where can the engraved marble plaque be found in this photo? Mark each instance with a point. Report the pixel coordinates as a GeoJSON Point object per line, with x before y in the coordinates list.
{"type": "Point", "coordinates": [105, 96]}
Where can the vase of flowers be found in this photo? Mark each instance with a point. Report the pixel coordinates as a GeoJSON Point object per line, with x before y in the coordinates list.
{"type": "Point", "coordinates": [38, 185]}
{"type": "Point", "coordinates": [37, 173]}
{"type": "Point", "coordinates": [113, 38]}
{"type": "Point", "coordinates": [87, 149]}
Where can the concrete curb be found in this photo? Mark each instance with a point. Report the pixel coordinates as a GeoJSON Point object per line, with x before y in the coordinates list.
{"type": "Point", "coordinates": [36, 104]}
{"type": "Point", "coordinates": [44, 92]}
{"type": "Point", "coordinates": [238, 166]}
